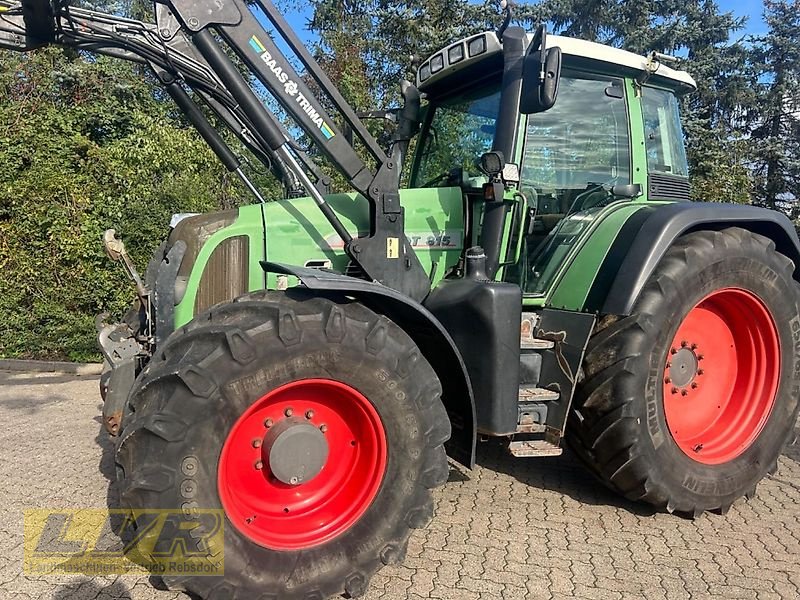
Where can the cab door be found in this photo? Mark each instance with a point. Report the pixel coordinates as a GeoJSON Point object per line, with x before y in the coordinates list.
{"type": "Point", "coordinates": [573, 155]}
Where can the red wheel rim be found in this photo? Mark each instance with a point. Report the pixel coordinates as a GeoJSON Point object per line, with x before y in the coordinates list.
{"type": "Point", "coordinates": [721, 376]}
{"type": "Point", "coordinates": [282, 516]}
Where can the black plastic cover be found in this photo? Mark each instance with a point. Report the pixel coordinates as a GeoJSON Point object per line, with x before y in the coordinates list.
{"type": "Point", "coordinates": [668, 222]}
{"type": "Point", "coordinates": [483, 318]}
{"type": "Point", "coordinates": [164, 292]}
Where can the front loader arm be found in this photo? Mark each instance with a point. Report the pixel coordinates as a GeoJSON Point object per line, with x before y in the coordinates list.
{"type": "Point", "coordinates": [174, 62]}
{"type": "Point", "coordinates": [184, 46]}
{"type": "Point", "coordinates": [24, 28]}
{"type": "Point", "coordinates": [384, 255]}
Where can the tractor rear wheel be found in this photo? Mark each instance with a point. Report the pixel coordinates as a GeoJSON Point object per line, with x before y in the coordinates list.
{"type": "Point", "coordinates": [688, 402]}
{"type": "Point", "coordinates": [316, 425]}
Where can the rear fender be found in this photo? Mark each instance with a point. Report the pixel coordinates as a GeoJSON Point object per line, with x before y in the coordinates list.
{"type": "Point", "coordinates": [667, 223]}
{"type": "Point", "coordinates": [427, 332]}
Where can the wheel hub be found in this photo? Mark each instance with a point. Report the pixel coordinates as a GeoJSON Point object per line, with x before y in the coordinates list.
{"type": "Point", "coordinates": [721, 376]}
{"type": "Point", "coordinates": [683, 367]}
{"type": "Point", "coordinates": [295, 451]}
{"type": "Point", "coordinates": [302, 464]}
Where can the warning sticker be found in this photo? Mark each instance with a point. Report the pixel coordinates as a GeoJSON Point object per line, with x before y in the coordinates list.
{"type": "Point", "coordinates": [392, 247]}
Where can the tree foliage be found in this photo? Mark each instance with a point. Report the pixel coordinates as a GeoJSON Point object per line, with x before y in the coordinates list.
{"type": "Point", "coordinates": [89, 143]}
{"type": "Point", "coordinates": [776, 116]}
{"type": "Point", "coordinates": [86, 144]}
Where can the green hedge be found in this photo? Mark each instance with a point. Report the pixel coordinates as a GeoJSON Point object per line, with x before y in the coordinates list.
{"type": "Point", "coordinates": [85, 145]}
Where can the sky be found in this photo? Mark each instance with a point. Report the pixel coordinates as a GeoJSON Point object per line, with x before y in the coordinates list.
{"type": "Point", "coordinates": [299, 14]}
{"type": "Point", "coordinates": [747, 8]}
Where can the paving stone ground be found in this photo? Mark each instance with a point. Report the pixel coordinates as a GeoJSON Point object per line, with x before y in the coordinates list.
{"type": "Point", "coordinates": [512, 528]}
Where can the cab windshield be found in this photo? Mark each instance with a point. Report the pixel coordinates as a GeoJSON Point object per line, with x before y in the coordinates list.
{"type": "Point", "coordinates": [457, 131]}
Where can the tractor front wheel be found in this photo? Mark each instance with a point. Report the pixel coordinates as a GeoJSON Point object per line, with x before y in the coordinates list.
{"type": "Point", "coordinates": [315, 425]}
{"type": "Point", "coordinates": [688, 402]}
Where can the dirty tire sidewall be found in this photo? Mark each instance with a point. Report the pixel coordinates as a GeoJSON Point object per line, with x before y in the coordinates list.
{"type": "Point", "coordinates": [619, 422]}
{"type": "Point", "coordinates": [291, 340]}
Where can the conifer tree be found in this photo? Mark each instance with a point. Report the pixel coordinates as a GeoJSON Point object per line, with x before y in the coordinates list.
{"type": "Point", "coordinates": [776, 133]}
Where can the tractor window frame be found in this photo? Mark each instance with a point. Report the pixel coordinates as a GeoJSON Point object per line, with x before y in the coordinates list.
{"type": "Point", "coordinates": [671, 137]}
{"type": "Point", "coordinates": [517, 273]}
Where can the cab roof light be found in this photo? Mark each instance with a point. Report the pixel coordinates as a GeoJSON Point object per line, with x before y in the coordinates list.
{"type": "Point", "coordinates": [477, 46]}
{"type": "Point", "coordinates": [425, 72]}
{"type": "Point", "coordinates": [437, 63]}
{"type": "Point", "coordinates": [455, 54]}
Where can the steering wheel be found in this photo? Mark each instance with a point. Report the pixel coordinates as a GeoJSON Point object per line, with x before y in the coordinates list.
{"type": "Point", "coordinates": [601, 190]}
{"type": "Point", "coordinates": [437, 179]}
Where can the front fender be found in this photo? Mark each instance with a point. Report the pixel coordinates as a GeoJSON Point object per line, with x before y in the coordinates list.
{"type": "Point", "coordinates": [668, 222]}
{"type": "Point", "coordinates": [427, 332]}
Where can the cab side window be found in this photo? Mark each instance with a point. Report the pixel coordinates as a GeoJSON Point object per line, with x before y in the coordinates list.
{"type": "Point", "coordinates": [580, 143]}
{"type": "Point", "coordinates": [663, 135]}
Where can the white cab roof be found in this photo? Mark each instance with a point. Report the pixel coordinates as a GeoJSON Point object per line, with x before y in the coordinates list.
{"type": "Point", "coordinates": [615, 56]}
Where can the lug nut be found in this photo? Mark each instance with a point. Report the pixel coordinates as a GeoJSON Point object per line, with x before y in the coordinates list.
{"type": "Point", "coordinates": [259, 465]}
{"type": "Point", "coordinates": [674, 390]}
{"type": "Point", "coordinates": [309, 414]}
{"type": "Point", "coordinates": [256, 443]}
{"type": "Point", "coordinates": [667, 380]}
{"type": "Point", "coordinates": [268, 423]}
{"type": "Point", "coordinates": [700, 357]}
{"type": "Point", "coordinates": [288, 412]}
{"type": "Point", "coordinates": [684, 343]}
{"type": "Point", "coordinates": [684, 393]}
{"type": "Point", "coordinates": [693, 346]}
{"type": "Point", "coordinates": [694, 385]}
{"type": "Point", "coordinates": [700, 371]}
{"type": "Point", "coordinates": [323, 428]}
{"type": "Point", "coordinates": [673, 351]}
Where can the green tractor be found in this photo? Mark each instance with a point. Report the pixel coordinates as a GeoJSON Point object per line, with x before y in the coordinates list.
{"type": "Point", "coordinates": [307, 364]}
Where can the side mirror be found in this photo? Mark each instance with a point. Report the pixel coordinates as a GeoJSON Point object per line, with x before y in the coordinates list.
{"type": "Point", "coordinates": [541, 73]}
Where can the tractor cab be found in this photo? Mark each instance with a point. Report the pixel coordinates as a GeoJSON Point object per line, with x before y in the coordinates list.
{"type": "Point", "coordinates": [611, 137]}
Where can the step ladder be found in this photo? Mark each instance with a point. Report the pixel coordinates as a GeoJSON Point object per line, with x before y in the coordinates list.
{"type": "Point", "coordinates": [532, 448]}
{"type": "Point", "coordinates": [552, 343]}
{"type": "Point", "coordinates": [531, 439]}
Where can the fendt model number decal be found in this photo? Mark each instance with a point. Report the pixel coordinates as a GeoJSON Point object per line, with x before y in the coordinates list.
{"type": "Point", "coordinates": [290, 87]}
{"type": "Point", "coordinates": [445, 240]}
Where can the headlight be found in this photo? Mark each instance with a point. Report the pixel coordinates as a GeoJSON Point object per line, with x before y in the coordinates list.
{"type": "Point", "coordinates": [477, 46]}
{"type": "Point", "coordinates": [455, 54]}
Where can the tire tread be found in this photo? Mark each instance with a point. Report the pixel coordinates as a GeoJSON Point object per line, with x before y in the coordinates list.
{"type": "Point", "coordinates": [602, 428]}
